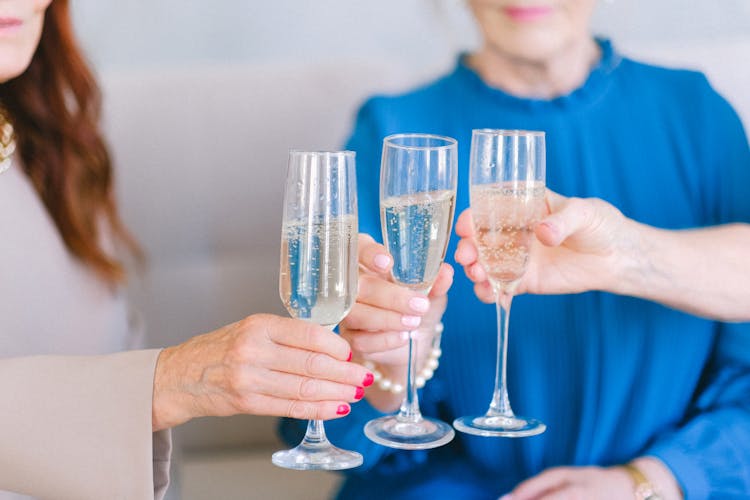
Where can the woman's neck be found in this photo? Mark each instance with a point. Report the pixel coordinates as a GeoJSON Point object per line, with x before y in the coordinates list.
{"type": "Point", "coordinates": [561, 73]}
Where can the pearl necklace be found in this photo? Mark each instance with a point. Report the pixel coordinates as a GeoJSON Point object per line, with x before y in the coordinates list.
{"type": "Point", "coordinates": [7, 141]}
{"type": "Point", "coordinates": [425, 374]}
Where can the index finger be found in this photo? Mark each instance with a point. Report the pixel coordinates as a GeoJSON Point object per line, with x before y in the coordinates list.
{"type": "Point", "coordinates": [373, 256]}
{"type": "Point", "coordinates": [308, 336]}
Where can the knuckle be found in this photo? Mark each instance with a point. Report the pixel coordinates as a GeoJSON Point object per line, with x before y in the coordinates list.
{"type": "Point", "coordinates": [359, 344]}
{"type": "Point", "coordinates": [315, 364]}
{"type": "Point", "coordinates": [308, 388]}
{"type": "Point", "coordinates": [365, 286]}
{"type": "Point", "coordinates": [392, 341]}
{"type": "Point", "coordinates": [301, 410]}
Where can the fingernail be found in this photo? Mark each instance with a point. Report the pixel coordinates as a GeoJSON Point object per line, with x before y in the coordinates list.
{"type": "Point", "coordinates": [342, 410]}
{"type": "Point", "coordinates": [382, 261]}
{"type": "Point", "coordinates": [419, 304]}
{"type": "Point", "coordinates": [411, 321]}
{"type": "Point", "coordinates": [360, 393]}
{"type": "Point", "coordinates": [350, 356]}
{"type": "Point", "coordinates": [404, 335]}
{"type": "Point", "coordinates": [369, 379]}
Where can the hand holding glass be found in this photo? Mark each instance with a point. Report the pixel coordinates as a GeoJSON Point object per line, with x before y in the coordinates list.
{"type": "Point", "coordinates": [318, 277]}
{"type": "Point", "coordinates": [507, 199]}
{"type": "Point", "coordinates": [417, 196]}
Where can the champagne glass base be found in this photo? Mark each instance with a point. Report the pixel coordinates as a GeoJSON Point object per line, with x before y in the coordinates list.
{"type": "Point", "coordinates": [499, 426]}
{"type": "Point", "coordinates": [317, 457]}
{"type": "Point", "coordinates": [395, 432]}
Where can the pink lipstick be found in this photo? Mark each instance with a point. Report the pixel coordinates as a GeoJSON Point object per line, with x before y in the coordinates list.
{"type": "Point", "coordinates": [527, 14]}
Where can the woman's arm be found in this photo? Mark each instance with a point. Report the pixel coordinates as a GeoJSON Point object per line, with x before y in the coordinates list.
{"type": "Point", "coordinates": [78, 426]}
{"type": "Point", "coordinates": [587, 244]}
{"type": "Point", "coordinates": [83, 426]}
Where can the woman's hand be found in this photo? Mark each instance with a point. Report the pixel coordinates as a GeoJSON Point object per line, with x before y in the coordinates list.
{"type": "Point", "coordinates": [261, 365]}
{"type": "Point", "coordinates": [594, 483]}
{"type": "Point", "coordinates": [582, 248]}
{"type": "Point", "coordinates": [378, 325]}
{"type": "Point", "coordinates": [580, 483]}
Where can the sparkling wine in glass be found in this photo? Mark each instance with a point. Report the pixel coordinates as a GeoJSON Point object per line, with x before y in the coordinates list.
{"type": "Point", "coordinates": [318, 277]}
{"type": "Point", "coordinates": [417, 198]}
{"type": "Point", "coordinates": [507, 201]}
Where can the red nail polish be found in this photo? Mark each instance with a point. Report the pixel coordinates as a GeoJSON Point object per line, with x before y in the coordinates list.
{"type": "Point", "coordinates": [342, 410]}
{"type": "Point", "coordinates": [350, 356]}
{"type": "Point", "coordinates": [360, 393]}
{"type": "Point", "coordinates": [369, 379]}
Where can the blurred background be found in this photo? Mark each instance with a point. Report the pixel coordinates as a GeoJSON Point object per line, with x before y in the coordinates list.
{"type": "Point", "coordinates": [204, 99]}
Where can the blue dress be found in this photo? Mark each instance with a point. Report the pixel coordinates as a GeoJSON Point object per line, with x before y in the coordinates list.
{"type": "Point", "coordinates": [613, 377]}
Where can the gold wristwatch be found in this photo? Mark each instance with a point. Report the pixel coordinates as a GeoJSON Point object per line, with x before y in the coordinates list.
{"type": "Point", "coordinates": [644, 490]}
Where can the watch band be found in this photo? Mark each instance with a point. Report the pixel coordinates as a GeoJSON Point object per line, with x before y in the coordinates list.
{"type": "Point", "coordinates": [644, 490]}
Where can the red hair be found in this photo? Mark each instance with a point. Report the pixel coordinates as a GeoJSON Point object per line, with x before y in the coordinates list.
{"type": "Point", "coordinates": [55, 107]}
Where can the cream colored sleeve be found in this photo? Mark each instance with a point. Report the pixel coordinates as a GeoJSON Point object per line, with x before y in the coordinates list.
{"type": "Point", "coordinates": [80, 427]}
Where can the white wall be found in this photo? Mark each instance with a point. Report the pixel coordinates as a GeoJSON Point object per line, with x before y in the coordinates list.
{"type": "Point", "coordinates": [423, 32]}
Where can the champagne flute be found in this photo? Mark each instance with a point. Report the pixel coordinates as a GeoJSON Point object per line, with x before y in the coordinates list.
{"type": "Point", "coordinates": [507, 200]}
{"type": "Point", "coordinates": [417, 197]}
{"type": "Point", "coordinates": [318, 277]}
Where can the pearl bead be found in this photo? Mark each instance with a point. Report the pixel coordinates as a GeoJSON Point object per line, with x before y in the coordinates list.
{"type": "Point", "coordinates": [421, 378]}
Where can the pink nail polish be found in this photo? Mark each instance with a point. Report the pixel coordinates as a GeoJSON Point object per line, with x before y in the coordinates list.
{"type": "Point", "coordinates": [342, 410]}
{"type": "Point", "coordinates": [419, 304]}
{"type": "Point", "coordinates": [369, 379]}
{"type": "Point", "coordinates": [382, 261]}
{"type": "Point", "coordinates": [411, 321]}
{"type": "Point", "coordinates": [360, 393]}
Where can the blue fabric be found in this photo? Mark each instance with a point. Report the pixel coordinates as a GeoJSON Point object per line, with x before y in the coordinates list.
{"type": "Point", "coordinates": [612, 377]}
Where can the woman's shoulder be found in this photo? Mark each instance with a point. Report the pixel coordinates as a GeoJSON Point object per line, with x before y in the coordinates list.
{"type": "Point", "coordinates": [675, 80]}
{"type": "Point", "coordinates": [684, 88]}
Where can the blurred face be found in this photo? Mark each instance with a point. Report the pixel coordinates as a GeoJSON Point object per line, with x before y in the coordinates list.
{"type": "Point", "coordinates": [532, 30]}
{"type": "Point", "coordinates": [21, 24]}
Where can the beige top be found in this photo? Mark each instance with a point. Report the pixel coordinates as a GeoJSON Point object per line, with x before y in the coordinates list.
{"type": "Point", "coordinates": [70, 427]}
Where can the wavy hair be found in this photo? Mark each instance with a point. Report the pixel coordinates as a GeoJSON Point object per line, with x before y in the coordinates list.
{"type": "Point", "coordinates": [55, 108]}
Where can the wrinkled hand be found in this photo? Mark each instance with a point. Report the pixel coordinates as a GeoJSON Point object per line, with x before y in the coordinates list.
{"type": "Point", "coordinates": [576, 483]}
{"type": "Point", "coordinates": [262, 365]}
{"type": "Point", "coordinates": [579, 246]}
{"type": "Point", "coordinates": [379, 323]}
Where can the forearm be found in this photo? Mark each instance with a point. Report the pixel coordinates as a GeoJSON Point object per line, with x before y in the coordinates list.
{"type": "Point", "coordinates": [701, 271]}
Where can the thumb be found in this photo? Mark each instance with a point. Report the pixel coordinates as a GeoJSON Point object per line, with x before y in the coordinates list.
{"type": "Point", "coordinates": [567, 218]}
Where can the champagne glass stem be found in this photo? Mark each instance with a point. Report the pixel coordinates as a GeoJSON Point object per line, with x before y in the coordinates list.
{"type": "Point", "coordinates": [500, 405]}
{"type": "Point", "coordinates": [315, 434]}
{"type": "Point", "coordinates": [409, 411]}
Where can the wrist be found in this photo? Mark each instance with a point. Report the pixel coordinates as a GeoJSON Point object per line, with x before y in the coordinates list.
{"type": "Point", "coordinates": [656, 477]}
{"type": "Point", "coordinates": [632, 264]}
{"type": "Point", "coordinates": [170, 405]}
